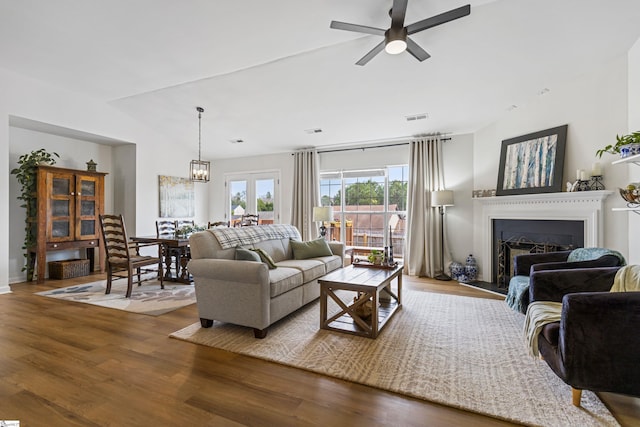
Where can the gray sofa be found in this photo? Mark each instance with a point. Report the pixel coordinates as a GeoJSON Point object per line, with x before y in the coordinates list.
{"type": "Point", "coordinates": [249, 293]}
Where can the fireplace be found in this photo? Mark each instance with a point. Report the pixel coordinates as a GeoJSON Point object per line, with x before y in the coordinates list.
{"type": "Point", "coordinates": [572, 219]}
{"type": "Point", "coordinates": [512, 237]}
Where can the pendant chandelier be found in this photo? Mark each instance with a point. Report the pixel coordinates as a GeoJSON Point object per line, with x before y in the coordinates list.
{"type": "Point", "coordinates": [199, 170]}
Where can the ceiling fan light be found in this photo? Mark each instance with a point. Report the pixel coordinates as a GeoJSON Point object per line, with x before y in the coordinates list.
{"type": "Point", "coordinates": [395, 40]}
{"type": "Point", "coordinates": [395, 47]}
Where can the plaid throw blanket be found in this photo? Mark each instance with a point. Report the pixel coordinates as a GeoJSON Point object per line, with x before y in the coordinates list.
{"type": "Point", "coordinates": [232, 237]}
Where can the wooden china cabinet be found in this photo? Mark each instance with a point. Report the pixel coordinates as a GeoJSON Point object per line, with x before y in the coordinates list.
{"type": "Point", "coordinates": [67, 208]}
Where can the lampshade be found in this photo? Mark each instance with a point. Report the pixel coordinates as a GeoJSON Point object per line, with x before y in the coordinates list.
{"type": "Point", "coordinates": [199, 170]}
{"type": "Point", "coordinates": [442, 198]}
{"type": "Point", "coordinates": [322, 213]}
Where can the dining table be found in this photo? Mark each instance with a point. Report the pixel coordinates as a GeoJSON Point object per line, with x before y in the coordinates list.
{"type": "Point", "coordinates": [170, 242]}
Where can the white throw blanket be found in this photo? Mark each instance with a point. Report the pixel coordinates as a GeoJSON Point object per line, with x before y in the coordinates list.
{"type": "Point", "coordinates": [540, 313]}
{"type": "Point", "coordinates": [627, 279]}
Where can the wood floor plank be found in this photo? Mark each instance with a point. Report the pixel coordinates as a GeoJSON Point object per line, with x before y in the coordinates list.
{"type": "Point", "coordinates": [69, 364]}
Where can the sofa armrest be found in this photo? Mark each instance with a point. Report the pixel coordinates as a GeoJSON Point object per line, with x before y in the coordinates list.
{"type": "Point", "coordinates": [232, 291]}
{"type": "Point", "coordinates": [229, 270]}
{"type": "Point", "coordinates": [599, 341]}
{"type": "Point", "coordinates": [552, 285]}
{"type": "Point", "coordinates": [522, 263]}
{"type": "Point", "coordinates": [337, 248]}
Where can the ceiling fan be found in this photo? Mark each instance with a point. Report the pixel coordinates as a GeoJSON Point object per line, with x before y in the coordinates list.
{"type": "Point", "coordinates": [396, 38]}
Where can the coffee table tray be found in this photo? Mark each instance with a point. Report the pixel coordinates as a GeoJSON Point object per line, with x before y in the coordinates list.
{"type": "Point", "coordinates": [366, 264]}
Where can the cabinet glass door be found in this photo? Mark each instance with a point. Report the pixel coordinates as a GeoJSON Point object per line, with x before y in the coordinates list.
{"type": "Point", "coordinates": [86, 209]}
{"type": "Point", "coordinates": [61, 209]}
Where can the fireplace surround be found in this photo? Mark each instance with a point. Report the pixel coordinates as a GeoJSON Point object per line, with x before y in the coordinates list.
{"type": "Point", "coordinates": [582, 208]}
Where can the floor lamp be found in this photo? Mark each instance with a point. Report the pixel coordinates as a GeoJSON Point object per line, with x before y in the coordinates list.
{"type": "Point", "coordinates": [442, 198]}
{"type": "Point", "coordinates": [322, 214]}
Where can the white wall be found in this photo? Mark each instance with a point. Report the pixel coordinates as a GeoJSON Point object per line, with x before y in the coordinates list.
{"type": "Point", "coordinates": [457, 154]}
{"type": "Point", "coordinates": [73, 154]}
{"type": "Point", "coordinates": [283, 163]}
{"type": "Point", "coordinates": [595, 108]}
{"type": "Point", "coordinates": [634, 125]}
{"type": "Point", "coordinates": [154, 155]}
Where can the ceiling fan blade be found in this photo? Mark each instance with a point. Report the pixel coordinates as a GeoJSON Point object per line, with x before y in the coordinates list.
{"type": "Point", "coordinates": [398, 12]}
{"type": "Point", "coordinates": [419, 53]}
{"type": "Point", "coordinates": [337, 25]}
{"type": "Point", "coordinates": [373, 52]}
{"type": "Point", "coordinates": [439, 19]}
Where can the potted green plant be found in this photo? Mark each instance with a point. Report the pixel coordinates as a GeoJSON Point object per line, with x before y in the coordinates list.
{"type": "Point", "coordinates": [375, 257]}
{"type": "Point", "coordinates": [26, 174]}
{"type": "Point", "coordinates": [621, 141]}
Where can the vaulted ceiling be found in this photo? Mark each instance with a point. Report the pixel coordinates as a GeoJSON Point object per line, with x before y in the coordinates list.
{"type": "Point", "coordinates": [266, 72]}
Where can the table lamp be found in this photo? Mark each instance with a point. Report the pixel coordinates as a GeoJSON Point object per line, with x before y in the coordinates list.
{"type": "Point", "coordinates": [322, 214]}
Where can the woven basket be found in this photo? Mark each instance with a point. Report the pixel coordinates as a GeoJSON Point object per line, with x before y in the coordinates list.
{"type": "Point", "coordinates": [68, 268]}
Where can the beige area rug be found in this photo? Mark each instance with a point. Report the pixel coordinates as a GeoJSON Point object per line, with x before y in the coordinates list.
{"type": "Point", "coordinates": [145, 299]}
{"type": "Point", "coordinates": [460, 351]}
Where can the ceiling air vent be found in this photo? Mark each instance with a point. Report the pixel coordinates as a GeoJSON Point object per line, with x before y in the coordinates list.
{"type": "Point", "coordinates": [236, 141]}
{"type": "Point", "coordinates": [312, 131]}
{"type": "Point", "coordinates": [415, 117]}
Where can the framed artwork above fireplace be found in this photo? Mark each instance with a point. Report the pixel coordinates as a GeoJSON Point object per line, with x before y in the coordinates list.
{"type": "Point", "coordinates": [532, 163]}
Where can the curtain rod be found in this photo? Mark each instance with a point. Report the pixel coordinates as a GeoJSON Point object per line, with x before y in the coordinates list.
{"type": "Point", "coordinates": [370, 146]}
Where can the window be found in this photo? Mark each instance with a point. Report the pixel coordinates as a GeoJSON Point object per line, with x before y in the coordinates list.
{"type": "Point", "coordinates": [253, 193]}
{"type": "Point", "coordinates": [370, 206]}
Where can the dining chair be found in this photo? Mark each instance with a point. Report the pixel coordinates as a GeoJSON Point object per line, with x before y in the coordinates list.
{"type": "Point", "coordinates": [213, 224]}
{"type": "Point", "coordinates": [124, 256]}
{"type": "Point", "coordinates": [249, 220]}
{"type": "Point", "coordinates": [165, 227]}
{"type": "Point", "coordinates": [184, 252]}
{"type": "Point", "coordinates": [182, 222]}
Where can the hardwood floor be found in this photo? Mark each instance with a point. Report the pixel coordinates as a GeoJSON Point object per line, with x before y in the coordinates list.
{"type": "Point", "coordinates": [70, 364]}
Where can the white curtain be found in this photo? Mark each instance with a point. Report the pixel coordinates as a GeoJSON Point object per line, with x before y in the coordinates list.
{"type": "Point", "coordinates": [306, 192]}
{"type": "Point", "coordinates": [422, 254]}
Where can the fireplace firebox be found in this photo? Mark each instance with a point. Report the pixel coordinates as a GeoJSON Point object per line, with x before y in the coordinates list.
{"type": "Point", "coordinates": [512, 237]}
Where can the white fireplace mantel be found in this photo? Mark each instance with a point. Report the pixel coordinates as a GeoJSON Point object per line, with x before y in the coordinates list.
{"type": "Point", "coordinates": [583, 206]}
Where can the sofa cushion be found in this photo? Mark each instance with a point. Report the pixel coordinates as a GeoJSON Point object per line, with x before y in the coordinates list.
{"type": "Point", "coordinates": [265, 257]}
{"type": "Point", "coordinates": [247, 255]}
{"type": "Point", "coordinates": [275, 248]}
{"type": "Point", "coordinates": [311, 268]}
{"type": "Point", "coordinates": [284, 279]}
{"type": "Point", "coordinates": [331, 263]}
{"type": "Point", "coordinates": [311, 249]}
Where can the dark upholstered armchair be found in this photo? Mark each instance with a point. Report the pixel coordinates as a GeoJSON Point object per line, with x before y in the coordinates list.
{"type": "Point", "coordinates": [595, 346]}
{"type": "Point", "coordinates": [548, 264]}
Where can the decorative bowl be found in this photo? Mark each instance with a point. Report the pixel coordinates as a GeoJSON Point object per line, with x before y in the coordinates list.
{"type": "Point", "coordinates": [630, 196]}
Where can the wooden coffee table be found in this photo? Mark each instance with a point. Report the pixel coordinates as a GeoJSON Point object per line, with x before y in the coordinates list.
{"type": "Point", "coordinates": [373, 284]}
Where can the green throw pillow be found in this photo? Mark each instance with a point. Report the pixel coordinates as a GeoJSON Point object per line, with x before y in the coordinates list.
{"type": "Point", "coordinates": [266, 258]}
{"type": "Point", "coordinates": [246, 255]}
{"type": "Point", "coordinates": [310, 249]}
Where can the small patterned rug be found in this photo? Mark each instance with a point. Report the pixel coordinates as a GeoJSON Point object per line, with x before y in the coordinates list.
{"type": "Point", "coordinates": [463, 352]}
{"type": "Point", "coordinates": [145, 299]}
